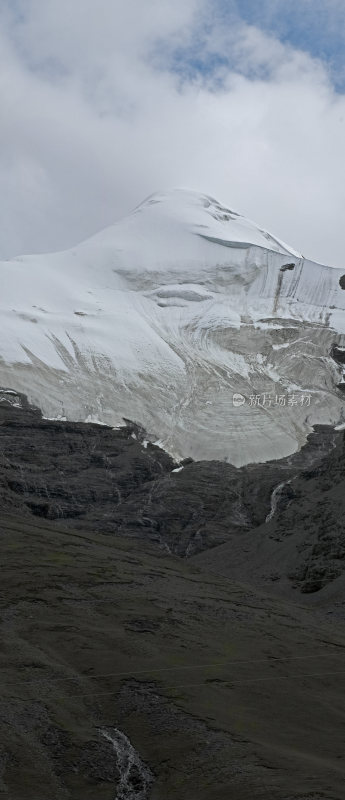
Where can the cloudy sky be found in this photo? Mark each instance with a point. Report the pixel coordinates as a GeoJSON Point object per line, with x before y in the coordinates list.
{"type": "Point", "coordinates": [106, 101]}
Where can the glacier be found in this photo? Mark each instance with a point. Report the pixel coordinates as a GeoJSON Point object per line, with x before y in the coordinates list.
{"type": "Point", "coordinates": [166, 315]}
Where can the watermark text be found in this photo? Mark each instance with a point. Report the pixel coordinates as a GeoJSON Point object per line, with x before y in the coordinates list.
{"type": "Point", "coordinates": [265, 400]}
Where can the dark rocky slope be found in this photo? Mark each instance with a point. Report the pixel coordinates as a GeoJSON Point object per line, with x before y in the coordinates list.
{"type": "Point", "coordinates": [222, 692]}
{"type": "Point", "coordinates": [129, 673]}
{"type": "Point", "coordinates": [302, 546]}
{"type": "Point", "coordinates": [93, 477]}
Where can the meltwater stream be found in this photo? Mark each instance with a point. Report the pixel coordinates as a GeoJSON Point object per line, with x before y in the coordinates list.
{"type": "Point", "coordinates": [275, 497]}
{"type": "Point", "coordinates": [135, 777]}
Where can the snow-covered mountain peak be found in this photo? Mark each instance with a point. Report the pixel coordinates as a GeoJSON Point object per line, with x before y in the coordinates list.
{"type": "Point", "coordinates": [202, 215]}
{"type": "Point", "coordinates": [187, 318]}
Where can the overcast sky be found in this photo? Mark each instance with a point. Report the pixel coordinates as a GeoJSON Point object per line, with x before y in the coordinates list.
{"type": "Point", "coordinates": [105, 101]}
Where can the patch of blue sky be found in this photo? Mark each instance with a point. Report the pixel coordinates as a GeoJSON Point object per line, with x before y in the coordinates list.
{"type": "Point", "coordinates": [191, 64]}
{"type": "Point", "coordinates": [316, 27]}
{"type": "Point", "coordinates": [212, 68]}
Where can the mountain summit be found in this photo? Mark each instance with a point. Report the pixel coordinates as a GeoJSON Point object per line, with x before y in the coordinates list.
{"type": "Point", "coordinates": [187, 318]}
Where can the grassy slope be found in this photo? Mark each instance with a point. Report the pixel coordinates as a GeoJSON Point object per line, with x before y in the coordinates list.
{"type": "Point", "coordinates": [195, 681]}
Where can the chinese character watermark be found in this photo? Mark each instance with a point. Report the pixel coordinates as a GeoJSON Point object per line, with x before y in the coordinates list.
{"type": "Point", "coordinates": [265, 400]}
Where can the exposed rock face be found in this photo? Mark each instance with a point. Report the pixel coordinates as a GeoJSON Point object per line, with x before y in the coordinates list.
{"type": "Point", "coordinates": [313, 522]}
{"type": "Point", "coordinates": [71, 471]}
{"type": "Point", "coordinates": [338, 353]}
{"type": "Point", "coordinates": [90, 476]}
{"type": "Point", "coordinates": [302, 543]}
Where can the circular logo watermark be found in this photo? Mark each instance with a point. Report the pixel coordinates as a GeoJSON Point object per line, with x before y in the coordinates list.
{"type": "Point", "coordinates": [238, 400]}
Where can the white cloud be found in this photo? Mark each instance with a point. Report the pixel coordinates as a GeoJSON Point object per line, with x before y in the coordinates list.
{"type": "Point", "coordinates": [91, 123]}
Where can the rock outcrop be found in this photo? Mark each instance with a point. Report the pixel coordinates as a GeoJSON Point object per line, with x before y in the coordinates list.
{"type": "Point", "coordinates": [92, 477]}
